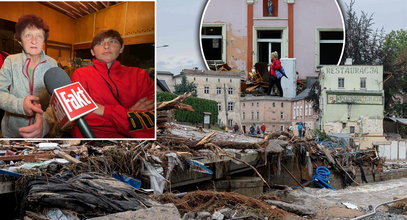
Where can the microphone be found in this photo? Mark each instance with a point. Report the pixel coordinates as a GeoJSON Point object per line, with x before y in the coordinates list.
{"type": "Point", "coordinates": [69, 100]}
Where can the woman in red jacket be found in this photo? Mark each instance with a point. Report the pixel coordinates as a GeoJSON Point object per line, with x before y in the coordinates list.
{"type": "Point", "coordinates": [124, 95]}
{"type": "Point", "coordinates": [275, 65]}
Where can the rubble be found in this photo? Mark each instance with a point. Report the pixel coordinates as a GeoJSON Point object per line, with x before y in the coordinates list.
{"type": "Point", "coordinates": [196, 204]}
{"type": "Point", "coordinates": [75, 178]}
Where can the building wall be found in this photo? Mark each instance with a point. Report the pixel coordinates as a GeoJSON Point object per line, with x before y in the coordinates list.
{"type": "Point", "coordinates": [236, 29]}
{"type": "Point", "coordinates": [270, 110]}
{"type": "Point", "coordinates": [213, 80]}
{"type": "Point", "coordinates": [349, 106]}
{"type": "Point", "coordinates": [307, 19]}
{"type": "Point", "coordinates": [309, 16]}
{"type": "Point", "coordinates": [302, 112]}
{"type": "Point", "coordinates": [168, 79]}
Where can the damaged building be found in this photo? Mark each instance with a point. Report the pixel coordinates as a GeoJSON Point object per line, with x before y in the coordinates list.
{"type": "Point", "coordinates": [311, 32]}
{"type": "Point", "coordinates": [352, 102]}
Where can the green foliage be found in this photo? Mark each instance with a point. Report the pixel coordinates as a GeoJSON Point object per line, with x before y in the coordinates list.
{"type": "Point", "coordinates": [394, 44]}
{"type": "Point", "coordinates": [395, 64]}
{"type": "Point", "coordinates": [185, 87]}
{"type": "Point", "coordinates": [363, 44]}
{"type": "Point", "coordinates": [322, 135]}
{"type": "Point", "coordinates": [165, 96]}
{"type": "Point", "coordinates": [198, 104]}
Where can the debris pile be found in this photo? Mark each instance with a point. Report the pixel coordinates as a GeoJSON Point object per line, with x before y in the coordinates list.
{"type": "Point", "coordinates": [86, 195]}
{"type": "Point", "coordinates": [96, 178]}
{"type": "Point", "coordinates": [220, 205]}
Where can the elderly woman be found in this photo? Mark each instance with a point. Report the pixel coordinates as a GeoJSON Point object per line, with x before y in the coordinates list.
{"type": "Point", "coordinates": [274, 66]}
{"type": "Point", "coordinates": [22, 79]}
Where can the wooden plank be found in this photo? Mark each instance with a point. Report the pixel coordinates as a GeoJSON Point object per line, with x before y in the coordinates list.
{"type": "Point", "coordinates": [28, 158]}
{"type": "Point", "coordinates": [68, 157]}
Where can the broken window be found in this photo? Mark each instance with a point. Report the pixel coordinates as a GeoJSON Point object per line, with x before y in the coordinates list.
{"type": "Point", "coordinates": [268, 41]}
{"type": "Point", "coordinates": [212, 43]}
{"type": "Point", "coordinates": [363, 83]}
{"type": "Point", "coordinates": [341, 82]}
{"type": "Point", "coordinates": [330, 47]}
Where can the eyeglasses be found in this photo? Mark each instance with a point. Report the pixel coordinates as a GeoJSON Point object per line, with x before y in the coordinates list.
{"type": "Point", "coordinates": [109, 41]}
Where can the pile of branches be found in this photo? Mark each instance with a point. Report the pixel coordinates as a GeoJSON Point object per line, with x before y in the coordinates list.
{"type": "Point", "coordinates": [211, 201]}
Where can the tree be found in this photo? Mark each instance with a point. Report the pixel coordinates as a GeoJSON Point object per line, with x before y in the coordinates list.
{"type": "Point", "coordinates": [185, 86]}
{"type": "Point", "coordinates": [395, 65]}
{"type": "Point", "coordinates": [363, 44]}
{"type": "Point", "coordinates": [372, 47]}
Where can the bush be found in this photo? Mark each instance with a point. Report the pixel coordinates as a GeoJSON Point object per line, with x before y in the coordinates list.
{"type": "Point", "coordinates": [198, 104]}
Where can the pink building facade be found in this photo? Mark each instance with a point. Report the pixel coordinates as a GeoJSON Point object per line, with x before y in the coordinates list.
{"type": "Point", "coordinates": [310, 31]}
{"type": "Point", "coordinates": [274, 112]}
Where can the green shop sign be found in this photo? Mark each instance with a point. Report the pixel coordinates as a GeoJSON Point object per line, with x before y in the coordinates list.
{"type": "Point", "coordinates": [355, 99]}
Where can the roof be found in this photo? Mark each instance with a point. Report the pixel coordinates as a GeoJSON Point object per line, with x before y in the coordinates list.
{"type": "Point", "coordinates": [211, 72]}
{"type": "Point", "coordinates": [164, 73]}
{"type": "Point", "coordinates": [399, 120]}
{"type": "Point", "coordinates": [250, 97]}
{"type": "Point", "coordinates": [163, 85]}
{"type": "Point", "coordinates": [302, 95]}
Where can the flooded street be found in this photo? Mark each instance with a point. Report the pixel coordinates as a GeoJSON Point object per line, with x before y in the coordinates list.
{"type": "Point", "coordinates": [328, 204]}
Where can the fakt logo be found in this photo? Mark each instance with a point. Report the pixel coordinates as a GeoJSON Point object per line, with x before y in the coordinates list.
{"type": "Point", "coordinates": [74, 100]}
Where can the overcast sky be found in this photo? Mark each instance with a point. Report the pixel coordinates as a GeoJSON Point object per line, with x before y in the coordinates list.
{"type": "Point", "coordinates": [389, 14]}
{"type": "Point", "coordinates": [178, 24]}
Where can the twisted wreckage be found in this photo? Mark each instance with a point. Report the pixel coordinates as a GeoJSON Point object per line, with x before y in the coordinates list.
{"type": "Point", "coordinates": [139, 179]}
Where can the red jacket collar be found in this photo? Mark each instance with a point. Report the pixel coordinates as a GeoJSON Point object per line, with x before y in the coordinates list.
{"type": "Point", "coordinates": [102, 67]}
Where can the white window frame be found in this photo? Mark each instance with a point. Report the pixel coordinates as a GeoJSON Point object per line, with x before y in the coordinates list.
{"type": "Point", "coordinates": [206, 90]}
{"type": "Point", "coordinates": [218, 90]}
{"type": "Point", "coordinates": [223, 37]}
{"type": "Point", "coordinates": [219, 106]}
{"type": "Point", "coordinates": [318, 41]}
{"type": "Point", "coordinates": [283, 40]}
{"type": "Point", "coordinates": [230, 91]}
{"type": "Point", "coordinates": [230, 106]}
